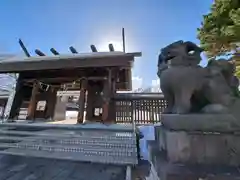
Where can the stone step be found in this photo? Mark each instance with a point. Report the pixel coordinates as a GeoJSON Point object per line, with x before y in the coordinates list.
{"type": "Point", "coordinates": [70, 143]}
{"type": "Point", "coordinates": [71, 157]}
{"type": "Point", "coordinates": [83, 152]}
{"type": "Point", "coordinates": [95, 126]}
{"type": "Point", "coordinates": [66, 134]}
{"type": "Point", "coordinates": [71, 148]}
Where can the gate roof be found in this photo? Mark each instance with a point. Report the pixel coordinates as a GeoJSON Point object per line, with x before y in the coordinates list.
{"type": "Point", "coordinates": [80, 60]}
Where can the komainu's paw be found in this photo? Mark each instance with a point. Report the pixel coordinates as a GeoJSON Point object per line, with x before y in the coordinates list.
{"type": "Point", "coordinates": [215, 109]}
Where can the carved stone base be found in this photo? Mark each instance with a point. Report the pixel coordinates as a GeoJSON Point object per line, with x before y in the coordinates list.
{"type": "Point", "coordinates": [210, 139]}
{"type": "Point", "coordinates": [201, 122]}
{"type": "Point", "coordinates": [202, 148]}
{"type": "Point", "coordinates": [198, 147]}
{"type": "Point", "coordinates": [182, 171]}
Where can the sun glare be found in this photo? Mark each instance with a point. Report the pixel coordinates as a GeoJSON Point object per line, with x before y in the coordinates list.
{"type": "Point", "coordinates": [104, 46]}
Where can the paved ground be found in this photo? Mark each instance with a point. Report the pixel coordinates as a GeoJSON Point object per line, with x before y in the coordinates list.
{"type": "Point", "coordinates": [66, 121]}
{"type": "Point", "coordinates": [21, 168]}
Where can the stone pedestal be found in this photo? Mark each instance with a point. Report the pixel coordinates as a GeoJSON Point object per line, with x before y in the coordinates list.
{"type": "Point", "coordinates": [196, 146]}
{"type": "Point", "coordinates": [201, 147]}
{"type": "Point", "coordinates": [201, 122]}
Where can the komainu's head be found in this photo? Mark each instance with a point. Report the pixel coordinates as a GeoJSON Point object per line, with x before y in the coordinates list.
{"type": "Point", "coordinates": [180, 53]}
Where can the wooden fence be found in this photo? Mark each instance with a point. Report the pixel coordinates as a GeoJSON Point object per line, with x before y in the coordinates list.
{"type": "Point", "coordinates": [140, 108]}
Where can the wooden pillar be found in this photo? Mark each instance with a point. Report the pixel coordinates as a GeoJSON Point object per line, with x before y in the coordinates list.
{"type": "Point", "coordinates": [81, 101]}
{"type": "Point", "coordinates": [3, 105]}
{"type": "Point", "coordinates": [51, 102]}
{"type": "Point", "coordinates": [109, 112]}
{"type": "Point", "coordinates": [113, 91]}
{"type": "Point", "coordinates": [33, 101]}
{"type": "Point", "coordinates": [17, 101]}
{"type": "Point", "coordinates": [91, 93]}
{"type": "Point", "coordinates": [106, 100]}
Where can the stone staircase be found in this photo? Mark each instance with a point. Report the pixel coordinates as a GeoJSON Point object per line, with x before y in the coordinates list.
{"type": "Point", "coordinates": [114, 144]}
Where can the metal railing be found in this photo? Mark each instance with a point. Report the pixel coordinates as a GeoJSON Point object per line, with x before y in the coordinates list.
{"type": "Point", "coordinates": [140, 108]}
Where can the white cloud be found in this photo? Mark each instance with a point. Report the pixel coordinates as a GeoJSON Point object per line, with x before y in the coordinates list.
{"type": "Point", "coordinates": [155, 86]}
{"type": "Point", "coordinates": [137, 82]}
{"type": "Point", "coordinates": [156, 82]}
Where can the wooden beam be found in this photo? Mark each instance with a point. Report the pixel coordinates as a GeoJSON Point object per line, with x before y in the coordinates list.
{"type": "Point", "coordinates": [65, 73]}
{"type": "Point", "coordinates": [111, 48]}
{"type": "Point", "coordinates": [40, 53]}
{"type": "Point", "coordinates": [24, 48]}
{"type": "Point", "coordinates": [62, 79]}
{"type": "Point", "coordinates": [54, 51]}
{"type": "Point", "coordinates": [93, 48]}
{"type": "Point", "coordinates": [73, 50]}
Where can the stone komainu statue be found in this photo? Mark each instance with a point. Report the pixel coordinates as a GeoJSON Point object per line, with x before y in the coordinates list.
{"type": "Point", "coordinates": [190, 88]}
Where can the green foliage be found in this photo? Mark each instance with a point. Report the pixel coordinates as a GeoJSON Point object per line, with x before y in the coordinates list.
{"type": "Point", "coordinates": [220, 30]}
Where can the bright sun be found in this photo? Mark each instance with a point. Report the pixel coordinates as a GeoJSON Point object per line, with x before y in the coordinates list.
{"type": "Point", "coordinates": [104, 46]}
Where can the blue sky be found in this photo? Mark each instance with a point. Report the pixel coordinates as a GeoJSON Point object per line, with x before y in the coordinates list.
{"type": "Point", "coordinates": [149, 25]}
